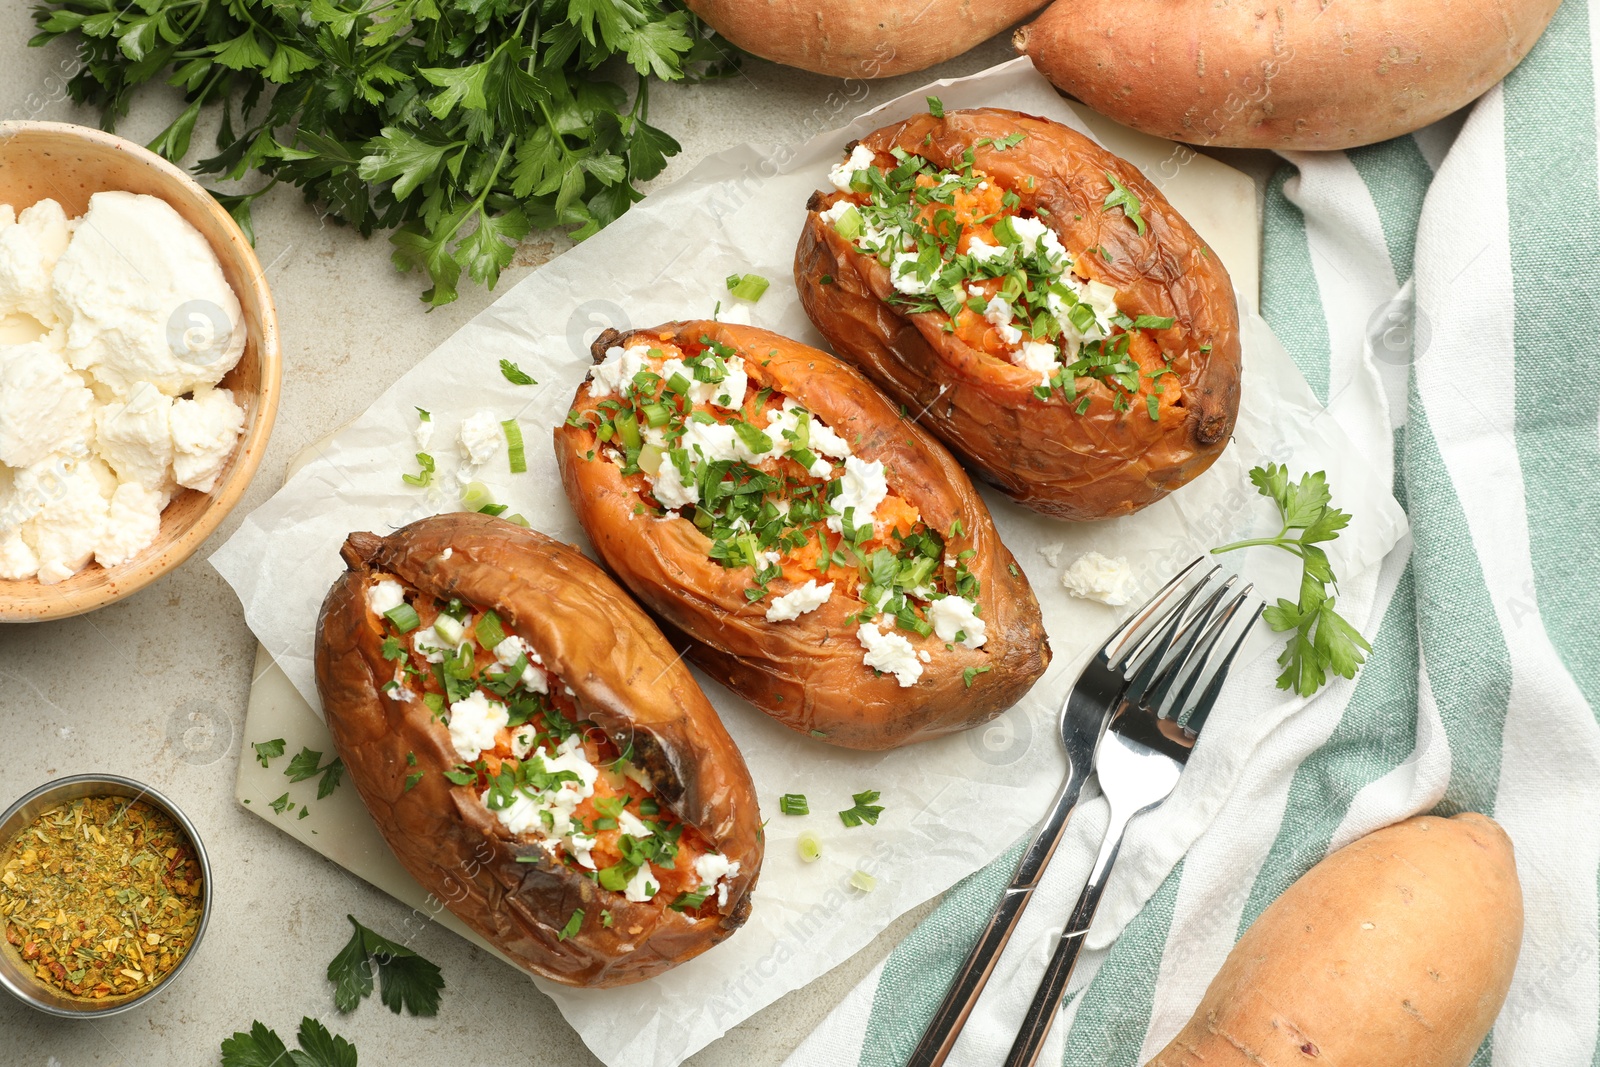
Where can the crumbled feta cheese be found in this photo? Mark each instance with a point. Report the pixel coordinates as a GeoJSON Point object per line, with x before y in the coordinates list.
{"type": "Point", "coordinates": [792, 605]}
{"type": "Point", "coordinates": [522, 739]}
{"type": "Point", "coordinates": [923, 655]}
{"type": "Point", "coordinates": [135, 438]}
{"type": "Point", "coordinates": [890, 653]}
{"type": "Point", "coordinates": [478, 441]}
{"type": "Point", "coordinates": [998, 312]}
{"type": "Point", "coordinates": [643, 885]}
{"type": "Point", "coordinates": [838, 210]}
{"type": "Point", "coordinates": [903, 273]}
{"type": "Point", "coordinates": [144, 298]}
{"type": "Point", "coordinates": [424, 434]}
{"type": "Point", "coordinates": [717, 441]}
{"type": "Point", "coordinates": [1034, 233]}
{"type": "Point", "coordinates": [669, 488]}
{"type": "Point", "coordinates": [825, 441]}
{"type": "Point", "coordinates": [17, 560]}
{"type": "Point", "coordinates": [581, 845]}
{"type": "Point", "coordinates": [44, 407]}
{"type": "Point", "coordinates": [474, 723]}
{"type": "Point", "coordinates": [506, 653]}
{"type": "Point", "coordinates": [615, 374]}
{"type": "Point", "coordinates": [862, 489]}
{"type": "Point", "coordinates": [637, 773]}
{"type": "Point", "coordinates": [447, 553]}
{"type": "Point", "coordinates": [712, 867]}
{"type": "Point", "coordinates": [30, 245]}
{"type": "Point", "coordinates": [630, 824]}
{"type": "Point", "coordinates": [427, 643]}
{"type": "Point", "coordinates": [1039, 356]}
{"type": "Point", "coordinates": [1052, 553]}
{"type": "Point", "coordinates": [861, 158]}
{"type": "Point", "coordinates": [204, 431]}
{"type": "Point", "coordinates": [954, 615]}
{"type": "Point", "coordinates": [73, 501]}
{"type": "Point", "coordinates": [527, 812]}
{"type": "Point", "coordinates": [1096, 577]}
{"type": "Point", "coordinates": [787, 421]}
{"type": "Point", "coordinates": [982, 250]}
{"type": "Point", "coordinates": [131, 526]}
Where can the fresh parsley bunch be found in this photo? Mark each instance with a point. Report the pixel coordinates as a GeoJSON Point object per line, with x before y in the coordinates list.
{"type": "Point", "coordinates": [458, 124]}
{"type": "Point", "coordinates": [1320, 639]}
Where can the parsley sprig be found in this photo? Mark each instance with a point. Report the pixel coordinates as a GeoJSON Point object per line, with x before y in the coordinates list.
{"type": "Point", "coordinates": [409, 981]}
{"type": "Point", "coordinates": [458, 124]}
{"type": "Point", "coordinates": [866, 809]}
{"type": "Point", "coordinates": [1320, 639]}
{"type": "Point", "coordinates": [262, 1047]}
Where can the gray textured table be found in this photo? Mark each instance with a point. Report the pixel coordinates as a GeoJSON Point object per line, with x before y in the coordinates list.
{"type": "Point", "coordinates": [154, 687]}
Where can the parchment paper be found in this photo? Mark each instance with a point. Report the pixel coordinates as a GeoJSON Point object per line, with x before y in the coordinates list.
{"type": "Point", "coordinates": [951, 805]}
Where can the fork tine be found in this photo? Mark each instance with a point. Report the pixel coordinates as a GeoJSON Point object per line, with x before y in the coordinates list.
{"type": "Point", "coordinates": [1208, 699]}
{"type": "Point", "coordinates": [1200, 626]}
{"type": "Point", "coordinates": [1199, 656]}
{"type": "Point", "coordinates": [1151, 610]}
{"type": "Point", "coordinates": [1151, 653]}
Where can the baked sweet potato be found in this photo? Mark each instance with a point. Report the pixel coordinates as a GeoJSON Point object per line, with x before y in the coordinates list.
{"type": "Point", "coordinates": [1034, 301]}
{"type": "Point", "coordinates": [1295, 75]}
{"type": "Point", "coordinates": [1397, 949]}
{"type": "Point", "coordinates": [758, 495]}
{"type": "Point", "coordinates": [534, 752]}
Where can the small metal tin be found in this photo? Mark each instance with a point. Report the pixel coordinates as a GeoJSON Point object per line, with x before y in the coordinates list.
{"type": "Point", "coordinates": [18, 981]}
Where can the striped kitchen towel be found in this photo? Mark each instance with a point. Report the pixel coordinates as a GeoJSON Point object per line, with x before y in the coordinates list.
{"type": "Point", "coordinates": [1441, 293]}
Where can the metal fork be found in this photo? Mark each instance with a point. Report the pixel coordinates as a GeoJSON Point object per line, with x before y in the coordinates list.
{"type": "Point", "coordinates": [1083, 717]}
{"type": "Point", "coordinates": [1152, 730]}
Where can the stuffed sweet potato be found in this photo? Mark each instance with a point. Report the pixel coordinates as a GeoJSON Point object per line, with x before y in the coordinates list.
{"type": "Point", "coordinates": [534, 752]}
{"type": "Point", "coordinates": [1037, 302]}
{"type": "Point", "coordinates": [825, 558]}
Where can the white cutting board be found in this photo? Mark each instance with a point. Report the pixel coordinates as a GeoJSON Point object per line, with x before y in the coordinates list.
{"type": "Point", "coordinates": [1218, 201]}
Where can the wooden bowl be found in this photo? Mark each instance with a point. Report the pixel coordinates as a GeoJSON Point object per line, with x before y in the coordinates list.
{"type": "Point", "coordinates": [68, 164]}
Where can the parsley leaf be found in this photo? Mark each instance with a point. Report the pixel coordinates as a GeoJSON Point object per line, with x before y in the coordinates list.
{"type": "Point", "coordinates": [263, 1048]}
{"type": "Point", "coordinates": [574, 924]}
{"type": "Point", "coordinates": [515, 374]}
{"type": "Point", "coordinates": [936, 107]}
{"type": "Point", "coordinates": [1121, 196]}
{"type": "Point", "coordinates": [308, 764]}
{"type": "Point", "coordinates": [866, 809]}
{"type": "Point", "coordinates": [1320, 639]}
{"type": "Point", "coordinates": [409, 981]}
{"type": "Point", "coordinates": [267, 751]}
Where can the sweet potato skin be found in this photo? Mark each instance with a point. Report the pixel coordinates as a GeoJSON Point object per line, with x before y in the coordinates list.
{"type": "Point", "coordinates": [1100, 464]}
{"type": "Point", "coordinates": [1398, 948]}
{"type": "Point", "coordinates": [625, 677]}
{"type": "Point", "coordinates": [845, 39]}
{"type": "Point", "coordinates": [1292, 75]}
{"type": "Point", "coordinates": [807, 673]}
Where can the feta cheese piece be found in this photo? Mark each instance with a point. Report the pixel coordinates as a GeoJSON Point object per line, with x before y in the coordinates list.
{"type": "Point", "coordinates": [522, 741]}
{"type": "Point", "coordinates": [1093, 576]}
{"type": "Point", "coordinates": [952, 615]}
{"type": "Point", "coordinates": [1032, 234]}
{"type": "Point", "coordinates": [582, 846]}
{"type": "Point", "coordinates": [144, 298]}
{"type": "Point", "coordinates": [632, 825]}
{"type": "Point", "coordinates": [506, 653]}
{"type": "Point", "coordinates": [862, 488]}
{"type": "Point", "coordinates": [17, 561]}
{"type": "Point", "coordinates": [787, 421]}
{"type": "Point", "coordinates": [132, 523]}
{"type": "Point", "coordinates": [423, 433]}
{"type": "Point", "coordinates": [428, 644]}
{"type": "Point", "coordinates": [792, 605]}
{"type": "Point", "coordinates": [74, 502]}
{"type": "Point", "coordinates": [478, 440]}
{"type": "Point", "coordinates": [204, 431]}
{"type": "Point", "coordinates": [903, 273]}
{"type": "Point", "coordinates": [983, 251]}
{"type": "Point", "coordinates": [889, 653]}
{"type": "Point", "coordinates": [669, 488]}
{"type": "Point", "coordinates": [135, 438]}
{"type": "Point", "coordinates": [45, 407]}
{"type": "Point", "coordinates": [474, 723]}
{"type": "Point", "coordinates": [642, 886]}
{"type": "Point", "coordinates": [713, 866]}
{"type": "Point", "coordinates": [861, 158]}
{"type": "Point", "coordinates": [998, 312]}
{"type": "Point", "coordinates": [527, 812]}
{"type": "Point", "coordinates": [718, 441]}
{"type": "Point", "coordinates": [1039, 356]}
{"type": "Point", "coordinates": [385, 595]}
{"type": "Point", "coordinates": [838, 210]}
{"type": "Point", "coordinates": [30, 246]}
{"type": "Point", "coordinates": [615, 374]}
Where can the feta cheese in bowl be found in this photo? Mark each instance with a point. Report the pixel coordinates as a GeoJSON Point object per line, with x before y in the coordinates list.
{"type": "Point", "coordinates": [139, 368]}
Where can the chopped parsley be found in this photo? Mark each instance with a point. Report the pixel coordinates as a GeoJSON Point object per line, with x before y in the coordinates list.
{"type": "Point", "coordinates": [515, 374]}
{"type": "Point", "coordinates": [866, 809]}
{"type": "Point", "coordinates": [267, 751]}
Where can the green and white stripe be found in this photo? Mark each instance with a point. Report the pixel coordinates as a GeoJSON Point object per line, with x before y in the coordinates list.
{"type": "Point", "coordinates": [1484, 684]}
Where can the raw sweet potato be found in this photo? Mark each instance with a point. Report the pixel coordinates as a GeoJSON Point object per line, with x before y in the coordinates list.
{"type": "Point", "coordinates": [1300, 74]}
{"type": "Point", "coordinates": [1397, 949]}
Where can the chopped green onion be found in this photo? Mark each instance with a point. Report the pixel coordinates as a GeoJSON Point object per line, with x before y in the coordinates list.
{"type": "Point", "coordinates": [628, 430]}
{"type": "Point", "coordinates": [863, 881]}
{"type": "Point", "coordinates": [650, 459]}
{"type": "Point", "coordinates": [810, 846]}
{"type": "Point", "coordinates": [490, 632]}
{"type": "Point", "coordinates": [493, 509]}
{"type": "Point", "coordinates": [794, 804]}
{"type": "Point", "coordinates": [423, 480]}
{"type": "Point", "coordinates": [519, 459]}
{"type": "Point", "coordinates": [678, 384]}
{"type": "Point", "coordinates": [849, 225]}
{"type": "Point", "coordinates": [519, 520]}
{"type": "Point", "coordinates": [972, 672]}
{"type": "Point", "coordinates": [656, 414]}
{"type": "Point", "coordinates": [1153, 322]}
{"type": "Point", "coordinates": [475, 496]}
{"type": "Point", "coordinates": [747, 287]}
{"type": "Point", "coordinates": [404, 617]}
